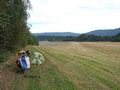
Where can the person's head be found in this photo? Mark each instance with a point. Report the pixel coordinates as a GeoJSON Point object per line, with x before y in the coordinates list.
{"type": "Point", "coordinates": [27, 52]}
{"type": "Point", "coordinates": [19, 53]}
{"type": "Point", "coordinates": [23, 53]}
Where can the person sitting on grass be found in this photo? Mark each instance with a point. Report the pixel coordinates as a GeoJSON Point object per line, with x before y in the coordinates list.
{"type": "Point", "coordinates": [28, 59]}
{"type": "Point", "coordinates": [23, 60]}
{"type": "Point", "coordinates": [18, 58]}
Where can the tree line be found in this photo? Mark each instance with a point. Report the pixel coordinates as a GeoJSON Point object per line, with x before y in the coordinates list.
{"type": "Point", "coordinates": [82, 37]}
{"type": "Point", "coordinates": [14, 29]}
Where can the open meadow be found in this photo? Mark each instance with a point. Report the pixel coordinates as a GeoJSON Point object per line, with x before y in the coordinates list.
{"type": "Point", "coordinates": [73, 66]}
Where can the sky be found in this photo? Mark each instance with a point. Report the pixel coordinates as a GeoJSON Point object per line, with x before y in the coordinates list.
{"type": "Point", "coordinates": [77, 16]}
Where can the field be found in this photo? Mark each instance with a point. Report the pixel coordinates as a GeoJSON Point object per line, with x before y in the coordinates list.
{"type": "Point", "coordinates": [71, 66]}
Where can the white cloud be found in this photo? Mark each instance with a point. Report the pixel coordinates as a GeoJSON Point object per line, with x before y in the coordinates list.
{"type": "Point", "coordinates": [74, 15]}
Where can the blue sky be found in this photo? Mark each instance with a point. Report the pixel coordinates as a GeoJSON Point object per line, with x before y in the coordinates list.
{"type": "Point", "coordinates": [74, 15]}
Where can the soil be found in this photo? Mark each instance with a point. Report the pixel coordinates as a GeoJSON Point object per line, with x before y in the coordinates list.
{"type": "Point", "coordinates": [6, 78]}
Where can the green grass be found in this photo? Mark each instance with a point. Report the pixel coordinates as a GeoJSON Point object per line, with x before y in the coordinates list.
{"type": "Point", "coordinates": [43, 77]}
{"type": "Point", "coordinates": [73, 66]}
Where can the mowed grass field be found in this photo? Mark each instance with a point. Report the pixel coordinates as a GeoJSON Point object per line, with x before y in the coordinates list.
{"type": "Point", "coordinates": [73, 66]}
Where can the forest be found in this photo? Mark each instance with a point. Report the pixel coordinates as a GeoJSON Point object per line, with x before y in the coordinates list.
{"type": "Point", "coordinates": [14, 28]}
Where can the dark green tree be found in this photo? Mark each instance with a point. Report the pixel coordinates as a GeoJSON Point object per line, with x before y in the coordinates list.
{"type": "Point", "coordinates": [14, 29]}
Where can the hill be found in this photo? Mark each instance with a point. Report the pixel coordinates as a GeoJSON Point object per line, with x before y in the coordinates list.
{"type": "Point", "coordinates": [69, 36]}
{"type": "Point", "coordinates": [105, 32]}
{"type": "Point", "coordinates": [64, 34]}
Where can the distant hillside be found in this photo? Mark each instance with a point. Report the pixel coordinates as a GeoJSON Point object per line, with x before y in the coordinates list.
{"type": "Point", "coordinates": [69, 36]}
{"type": "Point", "coordinates": [64, 34]}
{"type": "Point", "coordinates": [106, 32]}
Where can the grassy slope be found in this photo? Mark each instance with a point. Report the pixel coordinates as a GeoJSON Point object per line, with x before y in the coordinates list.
{"type": "Point", "coordinates": [43, 77]}
{"type": "Point", "coordinates": [73, 66]}
{"type": "Point", "coordinates": [88, 65]}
